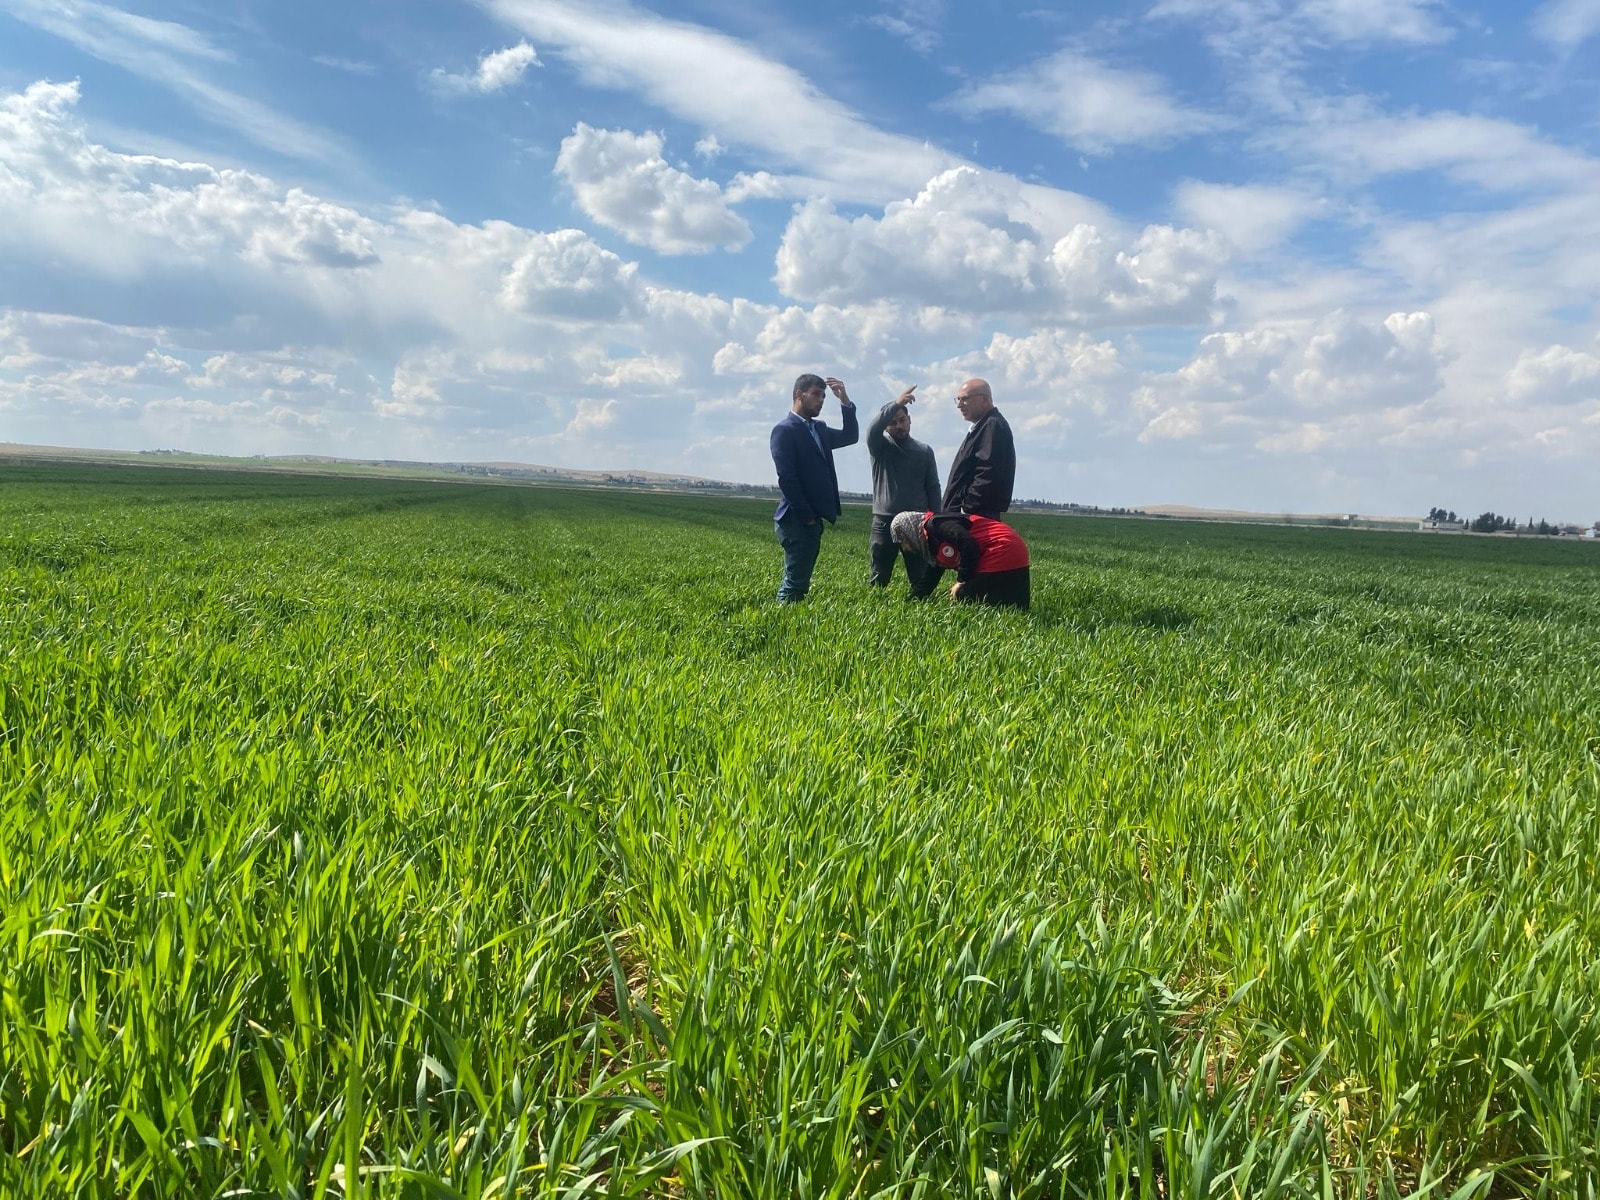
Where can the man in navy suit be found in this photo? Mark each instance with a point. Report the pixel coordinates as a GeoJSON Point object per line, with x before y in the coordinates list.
{"type": "Point", "coordinates": [802, 450]}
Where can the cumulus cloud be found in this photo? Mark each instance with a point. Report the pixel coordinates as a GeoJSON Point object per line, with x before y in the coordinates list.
{"type": "Point", "coordinates": [1555, 375]}
{"type": "Point", "coordinates": [857, 338]}
{"type": "Point", "coordinates": [495, 71]}
{"type": "Point", "coordinates": [954, 245]}
{"type": "Point", "coordinates": [504, 67]}
{"type": "Point", "coordinates": [445, 314]}
{"type": "Point", "coordinates": [621, 180]}
{"type": "Point", "coordinates": [126, 213]}
{"type": "Point", "coordinates": [1296, 386]}
{"type": "Point", "coordinates": [565, 274]}
{"type": "Point", "coordinates": [233, 370]}
{"type": "Point", "coordinates": [1089, 105]}
{"type": "Point", "coordinates": [593, 415]}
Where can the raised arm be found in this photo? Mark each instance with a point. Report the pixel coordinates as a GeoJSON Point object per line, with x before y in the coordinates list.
{"type": "Point", "coordinates": [851, 432]}
{"type": "Point", "coordinates": [877, 444]}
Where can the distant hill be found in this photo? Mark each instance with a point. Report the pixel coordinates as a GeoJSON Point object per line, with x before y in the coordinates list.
{"type": "Point", "coordinates": [538, 473]}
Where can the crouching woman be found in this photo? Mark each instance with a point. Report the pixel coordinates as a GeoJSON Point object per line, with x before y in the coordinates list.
{"type": "Point", "coordinates": [989, 557]}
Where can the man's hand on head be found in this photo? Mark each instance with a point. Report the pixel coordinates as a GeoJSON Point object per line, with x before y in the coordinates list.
{"type": "Point", "coordinates": [836, 386]}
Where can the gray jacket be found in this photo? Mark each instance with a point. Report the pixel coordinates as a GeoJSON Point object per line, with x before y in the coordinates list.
{"type": "Point", "coordinates": [904, 475]}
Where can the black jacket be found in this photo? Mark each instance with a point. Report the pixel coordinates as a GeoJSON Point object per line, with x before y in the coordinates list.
{"type": "Point", "coordinates": [984, 470]}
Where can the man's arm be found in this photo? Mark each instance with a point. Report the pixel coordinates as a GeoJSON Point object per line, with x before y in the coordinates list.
{"type": "Point", "coordinates": [849, 435]}
{"type": "Point", "coordinates": [879, 446]}
{"type": "Point", "coordinates": [1005, 465]}
{"type": "Point", "coordinates": [786, 459]}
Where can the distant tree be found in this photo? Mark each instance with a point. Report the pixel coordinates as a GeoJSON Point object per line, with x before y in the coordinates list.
{"type": "Point", "coordinates": [1491, 523]}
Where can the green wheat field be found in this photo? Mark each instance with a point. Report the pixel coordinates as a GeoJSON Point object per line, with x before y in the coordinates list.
{"type": "Point", "coordinates": [394, 838]}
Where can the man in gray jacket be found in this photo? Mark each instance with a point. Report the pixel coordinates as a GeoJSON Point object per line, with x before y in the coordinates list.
{"type": "Point", "coordinates": [904, 478]}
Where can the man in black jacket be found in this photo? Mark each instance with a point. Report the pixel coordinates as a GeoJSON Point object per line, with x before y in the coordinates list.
{"type": "Point", "coordinates": [985, 467]}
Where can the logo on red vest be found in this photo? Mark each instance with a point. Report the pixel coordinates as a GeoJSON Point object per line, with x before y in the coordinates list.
{"type": "Point", "coordinates": [947, 553]}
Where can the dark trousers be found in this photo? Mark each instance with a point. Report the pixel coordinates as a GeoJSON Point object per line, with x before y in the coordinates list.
{"type": "Point", "coordinates": [801, 544]}
{"type": "Point", "coordinates": [1009, 588]}
{"type": "Point", "coordinates": [883, 549]}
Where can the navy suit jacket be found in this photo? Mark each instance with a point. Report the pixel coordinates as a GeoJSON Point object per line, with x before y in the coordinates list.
{"type": "Point", "coordinates": [806, 477]}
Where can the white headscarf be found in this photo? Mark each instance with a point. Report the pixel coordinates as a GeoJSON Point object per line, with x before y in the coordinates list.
{"type": "Point", "coordinates": [906, 528]}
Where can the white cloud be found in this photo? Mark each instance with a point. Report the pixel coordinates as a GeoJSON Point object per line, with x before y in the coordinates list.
{"type": "Point", "coordinates": [593, 415]}
{"type": "Point", "coordinates": [915, 22]}
{"type": "Point", "coordinates": [223, 309]}
{"type": "Point", "coordinates": [853, 339]}
{"type": "Point", "coordinates": [1416, 22]}
{"type": "Point", "coordinates": [755, 185]}
{"type": "Point", "coordinates": [1521, 261]}
{"type": "Point", "coordinates": [1354, 142]}
{"type": "Point", "coordinates": [31, 338]}
{"type": "Point", "coordinates": [1298, 386]}
{"type": "Point", "coordinates": [178, 58]}
{"type": "Point", "coordinates": [949, 245]}
{"type": "Point", "coordinates": [621, 180]}
{"type": "Point", "coordinates": [122, 214]}
{"type": "Point", "coordinates": [762, 107]}
{"type": "Point", "coordinates": [1087, 104]}
{"type": "Point", "coordinates": [495, 71]}
{"type": "Point", "coordinates": [953, 245]}
{"type": "Point", "coordinates": [105, 31]}
{"type": "Point", "coordinates": [504, 67]}
{"type": "Point", "coordinates": [1251, 217]}
{"type": "Point", "coordinates": [1281, 28]}
{"type": "Point", "coordinates": [1555, 375]}
{"type": "Point", "coordinates": [286, 374]}
{"type": "Point", "coordinates": [709, 147]}
{"type": "Point", "coordinates": [564, 274]}
{"type": "Point", "coordinates": [1271, 53]}
{"type": "Point", "coordinates": [449, 337]}
{"type": "Point", "coordinates": [1567, 23]}
{"type": "Point", "coordinates": [755, 103]}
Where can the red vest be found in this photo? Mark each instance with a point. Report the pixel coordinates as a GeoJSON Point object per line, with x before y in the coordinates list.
{"type": "Point", "coordinates": [1002, 547]}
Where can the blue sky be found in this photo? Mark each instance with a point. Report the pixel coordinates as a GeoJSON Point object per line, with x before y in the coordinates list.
{"type": "Point", "coordinates": [1278, 255]}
